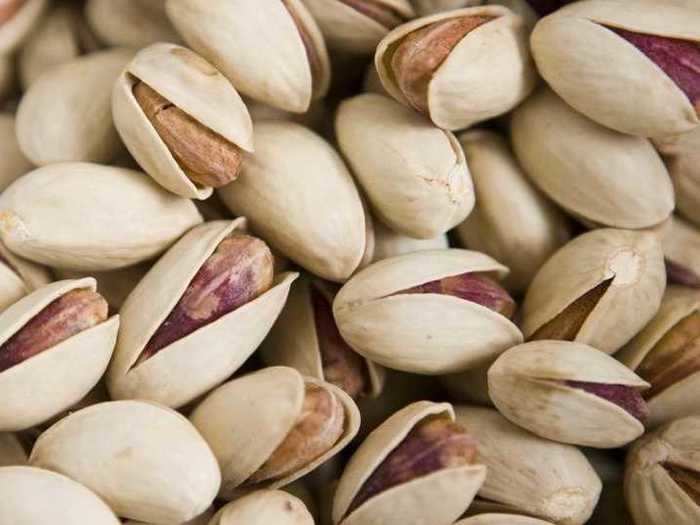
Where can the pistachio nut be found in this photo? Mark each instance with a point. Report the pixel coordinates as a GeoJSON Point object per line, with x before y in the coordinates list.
{"type": "Point", "coordinates": [469, 386]}
{"type": "Point", "coordinates": [512, 221]}
{"type": "Point", "coordinates": [530, 10]}
{"type": "Point", "coordinates": [271, 427]}
{"type": "Point", "coordinates": [570, 158]}
{"type": "Point", "coordinates": [413, 173]}
{"type": "Point", "coordinates": [388, 243]}
{"type": "Point", "coordinates": [628, 69]}
{"type": "Point", "coordinates": [181, 120]}
{"type": "Point", "coordinates": [528, 474]}
{"type": "Point", "coordinates": [270, 51]}
{"type": "Point", "coordinates": [430, 312]}
{"type": "Point", "coordinates": [437, 65]}
{"type": "Point", "coordinates": [7, 76]}
{"type": "Point", "coordinates": [203, 519]}
{"type": "Point", "coordinates": [14, 163]}
{"type": "Point", "coordinates": [17, 19]}
{"type": "Point", "coordinates": [599, 289]}
{"type": "Point", "coordinates": [131, 219]}
{"type": "Point", "coordinates": [681, 244]}
{"type": "Point", "coordinates": [153, 465]}
{"type": "Point", "coordinates": [18, 277]}
{"type": "Point", "coordinates": [501, 519]}
{"type": "Point", "coordinates": [12, 451]}
{"type": "Point", "coordinates": [286, 212]}
{"type": "Point", "coordinates": [130, 23]}
{"type": "Point", "coordinates": [41, 497]}
{"type": "Point", "coordinates": [569, 392]}
{"type": "Point", "coordinates": [264, 507]}
{"type": "Point", "coordinates": [419, 466]}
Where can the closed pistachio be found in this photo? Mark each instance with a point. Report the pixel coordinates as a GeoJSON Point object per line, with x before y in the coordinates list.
{"type": "Point", "coordinates": [388, 243]}
{"type": "Point", "coordinates": [12, 451]}
{"type": "Point", "coordinates": [14, 163]}
{"type": "Point", "coordinates": [681, 244]}
{"type": "Point", "coordinates": [17, 19]}
{"type": "Point", "coordinates": [501, 519]}
{"type": "Point", "coordinates": [264, 506]}
{"type": "Point", "coordinates": [130, 23]}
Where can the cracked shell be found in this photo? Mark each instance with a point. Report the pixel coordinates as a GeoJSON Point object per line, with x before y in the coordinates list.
{"type": "Point", "coordinates": [264, 507]}
{"type": "Point", "coordinates": [501, 519]}
{"type": "Point", "coordinates": [17, 28]}
{"type": "Point", "coordinates": [202, 519]}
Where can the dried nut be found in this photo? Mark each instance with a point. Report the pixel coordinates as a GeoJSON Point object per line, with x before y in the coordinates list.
{"type": "Point", "coordinates": [437, 65]}
{"type": "Point", "coordinates": [388, 243]}
{"type": "Point", "coordinates": [569, 392]}
{"type": "Point", "coordinates": [288, 72]}
{"type": "Point", "coordinates": [624, 68]}
{"type": "Point", "coordinates": [413, 173]}
{"type": "Point", "coordinates": [219, 302]}
{"type": "Point", "coordinates": [681, 244]}
{"type": "Point", "coordinates": [181, 120]}
{"type": "Point", "coordinates": [130, 23]}
{"type": "Point", "coordinates": [501, 519]}
{"type": "Point", "coordinates": [14, 163]}
{"type": "Point", "coordinates": [512, 221]}
{"type": "Point", "coordinates": [599, 289]}
{"type": "Point", "coordinates": [12, 451]}
{"type": "Point", "coordinates": [17, 19]}
{"type": "Point", "coordinates": [298, 424]}
{"type": "Point", "coordinates": [43, 217]}
{"type": "Point", "coordinates": [62, 499]}
{"type": "Point", "coordinates": [416, 457]}
{"type": "Point", "coordinates": [268, 506]}
{"type": "Point", "coordinates": [286, 213]}
{"type": "Point", "coordinates": [570, 158]}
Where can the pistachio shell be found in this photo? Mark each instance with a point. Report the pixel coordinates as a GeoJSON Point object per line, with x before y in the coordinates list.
{"type": "Point", "coordinates": [12, 452]}
{"type": "Point", "coordinates": [18, 277]}
{"type": "Point", "coordinates": [14, 163]}
{"type": "Point", "coordinates": [130, 23]}
{"type": "Point", "coordinates": [388, 243]}
{"type": "Point", "coordinates": [15, 30]}
{"type": "Point", "coordinates": [42, 217]}
{"type": "Point", "coordinates": [202, 519]}
{"type": "Point", "coordinates": [153, 465]}
{"type": "Point", "coordinates": [681, 244]}
{"type": "Point", "coordinates": [501, 519]}
{"type": "Point", "coordinates": [264, 506]}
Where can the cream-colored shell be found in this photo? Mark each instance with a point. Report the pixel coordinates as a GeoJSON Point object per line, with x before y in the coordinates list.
{"type": "Point", "coordinates": [153, 466]}
{"type": "Point", "coordinates": [66, 114]}
{"type": "Point", "coordinates": [202, 519]}
{"type": "Point", "coordinates": [634, 263]}
{"type": "Point", "coordinates": [14, 163]}
{"type": "Point", "coordinates": [40, 497]}
{"type": "Point", "coordinates": [196, 363]}
{"type": "Point", "coordinates": [521, 8]}
{"type": "Point", "coordinates": [413, 173]}
{"type": "Point", "coordinates": [257, 46]}
{"type": "Point", "coordinates": [422, 333]}
{"type": "Point", "coordinates": [16, 29]}
{"type": "Point", "coordinates": [388, 243]}
{"type": "Point", "coordinates": [131, 219]}
{"type": "Point", "coordinates": [264, 507]}
{"type": "Point", "coordinates": [512, 221]}
{"type": "Point", "coordinates": [608, 79]}
{"type": "Point", "coordinates": [298, 195]}
{"type": "Point", "coordinates": [130, 23]}
{"type": "Point", "coordinates": [470, 85]}
{"type": "Point", "coordinates": [438, 498]}
{"type": "Point", "coordinates": [682, 156]}
{"type": "Point", "coordinates": [525, 384]}
{"type": "Point", "coordinates": [246, 419]}
{"type": "Point", "coordinates": [58, 377]}
{"type": "Point", "coordinates": [681, 244]}
{"type": "Point", "coordinates": [571, 159]}
{"type": "Point", "coordinates": [501, 519]}
{"type": "Point", "coordinates": [528, 474]}
{"type": "Point", "coordinates": [12, 452]}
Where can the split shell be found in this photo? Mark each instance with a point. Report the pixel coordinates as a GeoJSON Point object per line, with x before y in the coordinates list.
{"type": "Point", "coordinates": [18, 277]}
{"type": "Point", "coordinates": [15, 30]}
{"type": "Point", "coordinates": [264, 506]}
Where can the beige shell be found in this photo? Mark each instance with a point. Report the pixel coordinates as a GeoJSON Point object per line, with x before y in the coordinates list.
{"type": "Point", "coordinates": [438, 498]}
{"type": "Point", "coordinates": [570, 158]}
{"type": "Point", "coordinates": [257, 46]}
{"type": "Point", "coordinates": [528, 474]}
{"type": "Point", "coordinates": [512, 221]}
{"type": "Point", "coordinates": [202, 519]}
{"type": "Point", "coordinates": [413, 173]}
{"type": "Point", "coordinates": [194, 86]}
{"type": "Point", "coordinates": [422, 333]}
{"type": "Point", "coordinates": [388, 243]}
{"type": "Point", "coordinates": [285, 192]}
{"type": "Point", "coordinates": [43, 217]}
{"type": "Point", "coordinates": [153, 465]}
{"type": "Point", "coordinates": [681, 245]}
{"type": "Point", "coordinates": [14, 31]}
{"type": "Point", "coordinates": [12, 452]}
{"type": "Point", "coordinates": [56, 378]}
{"type": "Point", "coordinates": [130, 23]}
{"type": "Point", "coordinates": [66, 114]}
{"type": "Point", "coordinates": [632, 262]}
{"type": "Point", "coordinates": [14, 163]}
{"type": "Point", "coordinates": [525, 385]}
{"type": "Point", "coordinates": [40, 497]}
{"type": "Point", "coordinates": [198, 362]}
{"type": "Point", "coordinates": [431, 7]}
{"type": "Point", "coordinates": [501, 519]}
{"type": "Point", "coordinates": [246, 419]}
{"type": "Point", "coordinates": [264, 507]}
{"type": "Point", "coordinates": [470, 85]}
{"type": "Point", "coordinates": [608, 79]}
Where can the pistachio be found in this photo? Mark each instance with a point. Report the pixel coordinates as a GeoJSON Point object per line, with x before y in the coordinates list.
{"type": "Point", "coordinates": [273, 506]}
{"type": "Point", "coordinates": [501, 519]}
{"type": "Point", "coordinates": [17, 19]}
{"type": "Point", "coordinates": [202, 519]}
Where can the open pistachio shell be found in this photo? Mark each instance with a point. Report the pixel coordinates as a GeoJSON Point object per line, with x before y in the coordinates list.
{"type": "Point", "coordinates": [570, 158]}
{"type": "Point", "coordinates": [16, 29]}
{"type": "Point", "coordinates": [681, 244]}
{"type": "Point", "coordinates": [589, 52]}
{"type": "Point", "coordinates": [14, 163]}
{"type": "Point", "coordinates": [264, 506]}
{"type": "Point", "coordinates": [414, 174]}
{"type": "Point", "coordinates": [271, 51]}
{"type": "Point", "coordinates": [12, 452]}
{"type": "Point", "coordinates": [40, 497]}
{"type": "Point", "coordinates": [501, 519]}
{"type": "Point", "coordinates": [388, 243]}
{"type": "Point", "coordinates": [153, 465]}
{"type": "Point", "coordinates": [599, 289]}
{"type": "Point", "coordinates": [130, 23]}
{"type": "Point", "coordinates": [194, 86]}
{"type": "Point", "coordinates": [42, 217]}
{"type": "Point", "coordinates": [203, 519]}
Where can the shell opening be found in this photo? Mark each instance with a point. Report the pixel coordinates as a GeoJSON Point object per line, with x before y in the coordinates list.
{"type": "Point", "coordinates": [378, 11]}
{"type": "Point", "coordinates": [626, 397]}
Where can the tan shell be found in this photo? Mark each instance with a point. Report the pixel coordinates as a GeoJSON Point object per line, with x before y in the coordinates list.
{"type": "Point", "coordinates": [41, 497]}
{"type": "Point", "coordinates": [284, 192]}
{"type": "Point", "coordinates": [202, 519]}
{"type": "Point", "coordinates": [16, 29]}
{"type": "Point", "coordinates": [12, 452]}
{"type": "Point", "coordinates": [42, 217]}
{"type": "Point", "coordinates": [528, 474]}
{"type": "Point", "coordinates": [606, 78]}
{"type": "Point", "coordinates": [501, 519]}
{"type": "Point", "coordinates": [681, 244]}
{"type": "Point", "coordinates": [14, 163]}
{"type": "Point", "coordinates": [388, 243]}
{"type": "Point", "coordinates": [153, 465]}
{"type": "Point", "coordinates": [264, 506]}
{"type": "Point", "coordinates": [570, 158]}
{"type": "Point", "coordinates": [422, 333]}
{"type": "Point", "coordinates": [634, 263]}
{"type": "Point", "coordinates": [413, 173]}
{"type": "Point", "coordinates": [130, 23]}
{"type": "Point", "coordinates": [524, 386]}
{"type": "Point", "coordinates": [243, 439]}
{"type": "Point", "coordinates": [470, 85]}
{"type": "Point", "coordinates": [193, 85]}
{"type": "Point", "coordinates": [413, 501]}
{"type": "Point", "coordinates": [257, 46]}
{"type": "Point", "coordinates": [58, 377]}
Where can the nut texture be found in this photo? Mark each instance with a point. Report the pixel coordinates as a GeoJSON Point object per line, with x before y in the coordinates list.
{"type": "Point", "coordinates": [626, 397]}
{"type": "Point", "coordinates": [315, 63]}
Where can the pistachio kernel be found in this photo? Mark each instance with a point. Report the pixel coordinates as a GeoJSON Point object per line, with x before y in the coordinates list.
{"type": "Point", "coordinates": [378, 11]}
{"type": "Point", "coordinates": [626, 397]}
{"type": "Point", "coordinates": [677, 273]}
{"type": "Point", "coordinates": [8, 9]}
{"type": "Point", "coordinates": [312, 55]}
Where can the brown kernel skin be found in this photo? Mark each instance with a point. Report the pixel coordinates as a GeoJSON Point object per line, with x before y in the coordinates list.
{"type": "Point", "coordinates": [8, 9]}
{"type": "Point", "coordinates": [626, 397]}
{"type": "Point", "coordinates": [380, 13]}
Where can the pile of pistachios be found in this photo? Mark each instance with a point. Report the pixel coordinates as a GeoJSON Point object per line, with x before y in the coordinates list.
{"type": "Point", "coordinates": [349, 262]}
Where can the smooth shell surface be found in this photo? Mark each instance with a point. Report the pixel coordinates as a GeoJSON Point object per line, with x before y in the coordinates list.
{"type": "Point", "coordinates": [130, 23]}
{"type": "Point", "coordinates": [264, 506]}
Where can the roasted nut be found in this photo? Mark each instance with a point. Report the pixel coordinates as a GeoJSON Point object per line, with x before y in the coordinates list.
{"type": "Point", "coordinates": [271, 506]}
{"type": "Point", "coordinates": [17, 19]}
{"type": "Point", "coordinates": [130, 23]}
